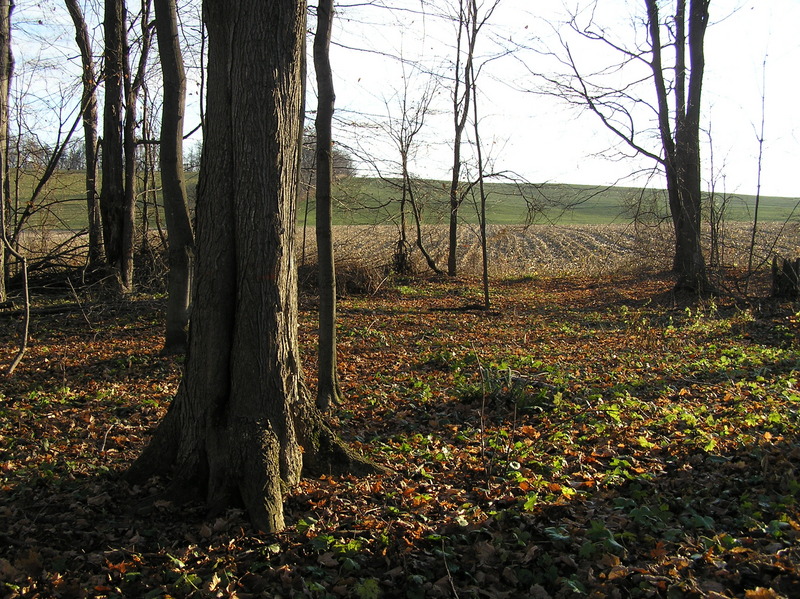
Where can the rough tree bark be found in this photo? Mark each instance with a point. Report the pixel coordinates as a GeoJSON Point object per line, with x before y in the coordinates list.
{"type": "Point", "coordinates": [328, 390]}
{"type": "Point", "coordinates": [112, 188]}
{"type": "Point", "coordinates": [176, 210]}
{"type": "Point", "coordinates": [673, 53]}
{"type": "Point", "coordinates": [90, 119]}
{"type": "Point", "coordinates": [682, 146]}
{"type": "Point", "coordinates": [786, 278]}
{"type": "Point", "coordinates": [243, 424]}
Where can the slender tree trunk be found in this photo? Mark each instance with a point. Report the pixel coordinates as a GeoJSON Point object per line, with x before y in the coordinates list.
{"type": "Point", "coordinates": [243, 423]}
{"type": "Point", "coordinates": [460, 112]}
{"type": "Point", "coordinates": [90, 119]}
{"type": "Point", "coordinates": [417, 212]}
{"type": "Point", "coordinates": [6, 71]}
{"type": "Point", "coordinates": [176, 210]}
{"type": "Point", "coordinates": [401, 262]}
{"type": "Point", "coordinates": [112, 189]}
{"type": "Point", "coordinates": [328, 382]}
{"type": "Point", "coordinates": [132, 84]}
{"type": "Point", "coordinates": [130, 167]}
{"type": "Point", "coordinates": [403, 201]}
{"type": "Point", "coordinates": [471, 81]}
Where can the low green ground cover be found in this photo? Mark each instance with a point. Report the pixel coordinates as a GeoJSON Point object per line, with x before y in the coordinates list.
{"type": "Point", "coordinates": [594, 437]}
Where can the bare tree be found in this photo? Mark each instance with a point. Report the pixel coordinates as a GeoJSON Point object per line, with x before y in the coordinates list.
{"type": "Point", "coordinates": [472, 81]}
{"type": "Point", "coordinates": [469, 21]}
{"type": "Point", "coordinates": [328, 390]}
{"type": "Point", "coordinates": [6, 71]}
{"type": "Point", "coordinates": [672, 69]}
{"type": "Point", "coordinates": [176, 210]}
{"type": "Point", "coordinates": [122, 86]}
{"type": "Point", "coordinates": [112, 190]}
{"type": "Point", "coordinates": [243, 424]}
{"type": "Point", "coordinates": [404, 130]}
{"type": "Point", "coordinates": [90, 121]}
{"type": "Point", "coordinates": [132, 86]}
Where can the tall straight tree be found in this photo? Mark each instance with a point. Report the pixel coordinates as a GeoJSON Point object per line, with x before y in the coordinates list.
{"type": "Point", "coordinates": [462, 93]}
{"type": "Point", "coordinates": [112, 190]}
{"type": "Point", "coordinates": [176, 210]}
{"type": "Point", "coordinates": [328, 390]}
{"type": "Point", "coordinates": [243, 424]}
{"type": "Point", "coordinates": [6, 70]}
{"type": "Point", "coordinates": [132, 85]}
{"type": "Point", "coordinates": [90, 119]}
{"type": "Point", "coordinates": [469, 21]}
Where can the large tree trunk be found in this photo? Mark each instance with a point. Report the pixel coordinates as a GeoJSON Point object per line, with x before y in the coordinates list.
{"type": "Point", "coordinates": [327, 382]}
{"type": "Point", "coordinates": [682, 147]}
{"type": "Point", "coordinates": [6, 70]}
{"type": "Point", "coordinates": [243, 423]}
{"type": "Point", "coordinates": [89, 108]}
{"type": "Point", "coordinates": [689, 260]}
{"type": "Point", "coordinates": [176, 210]}
{"type": "Point", "coordinates": [112, 190]}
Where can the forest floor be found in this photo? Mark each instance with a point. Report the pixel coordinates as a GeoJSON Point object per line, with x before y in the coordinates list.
{"type": "Point", "coordinates": [586, 436]}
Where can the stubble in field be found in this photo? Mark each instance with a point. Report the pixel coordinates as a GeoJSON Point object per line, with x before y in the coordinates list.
{"type": "Point", "coordinates": [553, 249]}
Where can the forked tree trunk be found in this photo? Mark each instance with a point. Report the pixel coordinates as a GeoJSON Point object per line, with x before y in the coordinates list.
{"type": "Point", "coordinates": [682, 145]}
{"type": "Point", "coordinates": [689, 260]}
{"type": "Point", "coordinates": [132, 86]}
{"type": "Point", "coordinates": [243, 425]}
{"type": "Point", "coordinates": [786, 278]}
{"type": "Point", "coordinates": [176, 210]}
{"type": "Point", "coordinates": [129, 169]}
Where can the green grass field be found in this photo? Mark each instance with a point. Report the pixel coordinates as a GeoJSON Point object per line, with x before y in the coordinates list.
{"type": "Point", "coordinates": [375, 201]}
{"type": "Point", "coordinates": [371, 201]}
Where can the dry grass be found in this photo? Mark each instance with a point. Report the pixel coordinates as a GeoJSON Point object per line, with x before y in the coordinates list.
{"type": "Point", "coordinates": [552, 249]}
{"type": "Point", "coordinates": [365, 253]}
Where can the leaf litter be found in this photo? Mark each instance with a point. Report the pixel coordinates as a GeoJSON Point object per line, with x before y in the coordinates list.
{"type": "Point", "coordinates": [585, 437]}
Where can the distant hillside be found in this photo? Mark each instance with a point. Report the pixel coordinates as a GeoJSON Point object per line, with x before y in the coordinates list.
{"type": "Point", "coordinates": [375, 201]}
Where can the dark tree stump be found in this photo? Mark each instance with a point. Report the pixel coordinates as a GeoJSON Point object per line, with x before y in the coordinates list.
{"type": "Point", "coordinates": [786, 279]}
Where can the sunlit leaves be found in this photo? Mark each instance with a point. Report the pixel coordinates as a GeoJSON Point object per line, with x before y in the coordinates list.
{"type": "Point", "coordinates": [564, 444]}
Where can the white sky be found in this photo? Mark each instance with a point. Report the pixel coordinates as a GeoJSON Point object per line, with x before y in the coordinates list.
{"type": "Point", "coordinates": [540, 138]}
{"type": "Point", "coordinates": [543, 139]}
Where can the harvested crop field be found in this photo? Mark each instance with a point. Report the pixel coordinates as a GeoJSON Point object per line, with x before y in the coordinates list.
{"type": "Point", "coordinates": [556, 249]}
{"type": "Point", "coordinates": [513, 251]}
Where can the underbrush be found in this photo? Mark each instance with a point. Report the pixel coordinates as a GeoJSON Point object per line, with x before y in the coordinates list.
{"type": "Point", "coordinates": [368, 255]}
